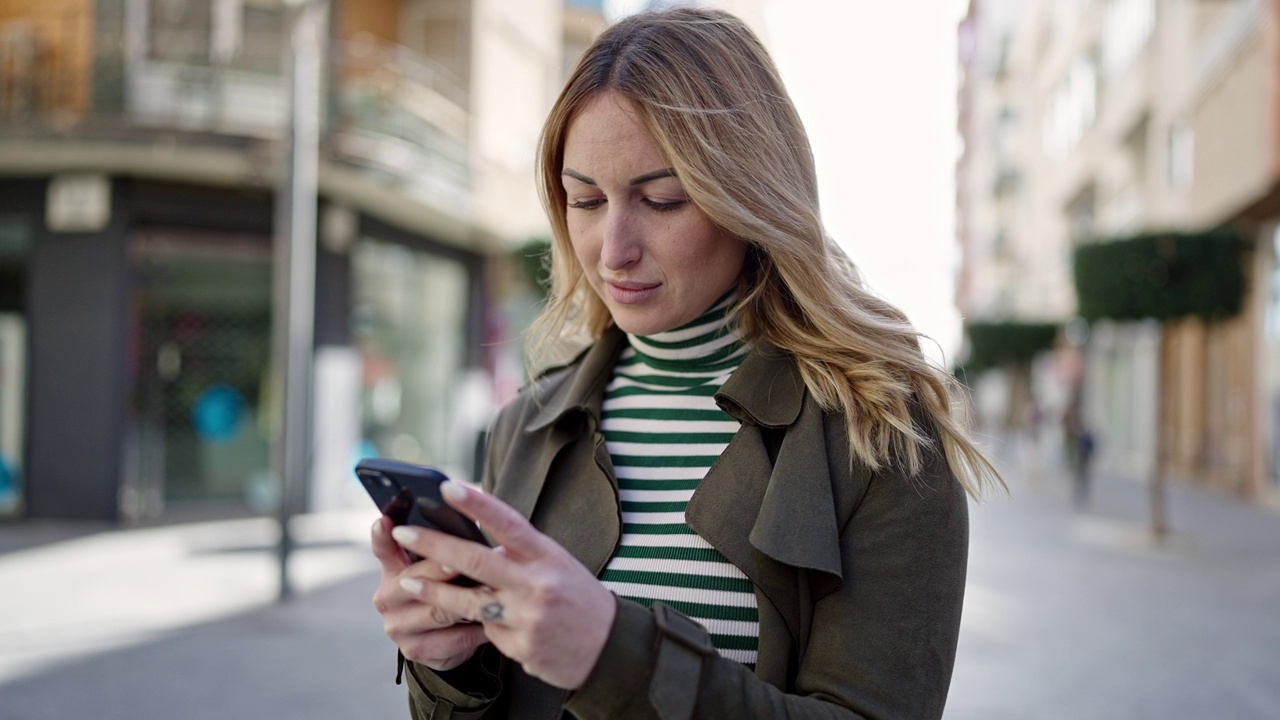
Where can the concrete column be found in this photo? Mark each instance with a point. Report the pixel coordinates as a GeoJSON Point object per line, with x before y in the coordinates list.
{"type": "Point", "coordinates": [77, 310]}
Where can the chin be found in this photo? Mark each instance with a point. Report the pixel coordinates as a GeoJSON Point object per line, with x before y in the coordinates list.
{"type": "Point", "coordinates": [638, 323]}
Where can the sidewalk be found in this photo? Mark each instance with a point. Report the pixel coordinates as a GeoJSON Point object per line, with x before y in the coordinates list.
{"type": "Point", "coordinates": [182, 622]}
{"type": "Point", "coordinates": [1074, 614]}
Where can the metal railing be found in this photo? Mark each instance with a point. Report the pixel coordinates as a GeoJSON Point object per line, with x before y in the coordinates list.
{"type": "Point", "coordinates": [390, 111]}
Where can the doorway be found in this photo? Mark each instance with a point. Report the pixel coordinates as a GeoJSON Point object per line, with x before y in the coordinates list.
{"type": "Point", "coordinates": [202, 341]}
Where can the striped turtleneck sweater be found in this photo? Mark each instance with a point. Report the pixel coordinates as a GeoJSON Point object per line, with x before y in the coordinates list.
{"type": "Point", "coordinates": [663, 431]}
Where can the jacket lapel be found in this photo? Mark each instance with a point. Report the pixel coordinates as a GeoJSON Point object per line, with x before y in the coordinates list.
{"type": "Point", "coordinates": [770, 518]}
{"type": "Point", "coordinates": [567, 475]}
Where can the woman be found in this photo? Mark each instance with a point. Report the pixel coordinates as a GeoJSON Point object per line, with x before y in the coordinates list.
{"type": "Point", "coordinates": [746, 497]}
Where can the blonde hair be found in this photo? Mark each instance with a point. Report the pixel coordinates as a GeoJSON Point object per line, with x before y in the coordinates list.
{"type": "Point", "coordinates": [710, 96]}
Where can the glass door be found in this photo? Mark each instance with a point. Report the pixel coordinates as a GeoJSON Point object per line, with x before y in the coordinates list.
{"type": "Point", "coordinates": [410, 330]}
{"type": "Point", "coordinates": [15, 246]}
{"type": "Point", "coordinates": [203, 313]}
{"type": "Point", "coordinates": [13, 357]}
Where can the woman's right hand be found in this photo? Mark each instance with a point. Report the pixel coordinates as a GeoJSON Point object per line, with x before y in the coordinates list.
{"type": "Point", "coordinates": [424, 633]}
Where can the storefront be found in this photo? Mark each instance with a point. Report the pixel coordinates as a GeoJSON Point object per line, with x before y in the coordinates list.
{"type": "Point", "coordinates": [135, 360]}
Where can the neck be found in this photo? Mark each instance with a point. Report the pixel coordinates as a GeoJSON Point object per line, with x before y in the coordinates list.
{"type": "Point", "coordinates": [710, 339]}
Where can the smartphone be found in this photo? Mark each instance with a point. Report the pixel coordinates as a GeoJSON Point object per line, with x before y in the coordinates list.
{"type": "Point", "coordinates": [410, 495]}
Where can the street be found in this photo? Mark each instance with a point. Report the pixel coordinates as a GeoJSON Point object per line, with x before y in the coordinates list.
{"type": "Point", "coordinates": [1068, 614]}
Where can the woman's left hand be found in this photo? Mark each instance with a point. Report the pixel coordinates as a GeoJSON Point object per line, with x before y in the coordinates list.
{"type": "Point", "coordinates": [539, 605]}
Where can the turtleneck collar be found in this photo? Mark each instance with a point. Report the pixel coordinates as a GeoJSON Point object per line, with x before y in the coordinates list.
{"type": "Point", "coordinates": [708, 341]}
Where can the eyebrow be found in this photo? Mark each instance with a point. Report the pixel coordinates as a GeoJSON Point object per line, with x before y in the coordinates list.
{"type": "Point", "coordinates": [638, 180]}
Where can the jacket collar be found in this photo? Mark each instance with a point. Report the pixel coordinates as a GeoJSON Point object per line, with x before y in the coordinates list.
{"type": "Point", "coordinates": [580, 385]}
{"type": "Point", "coordinates": [765, 390]}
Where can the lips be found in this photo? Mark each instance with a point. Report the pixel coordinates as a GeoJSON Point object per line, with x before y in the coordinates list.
{"type": "Point", "coordinates": [629, 292]}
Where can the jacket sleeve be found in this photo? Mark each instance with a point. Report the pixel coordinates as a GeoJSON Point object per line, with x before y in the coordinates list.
{"type": "Point", "coordinates": [882, 644]}
{"type": "Point", "coordinates": [465, 693]}
{"type": "Point", "coordinates": [469, 691]}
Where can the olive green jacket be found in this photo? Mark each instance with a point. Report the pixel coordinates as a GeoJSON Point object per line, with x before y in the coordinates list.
{"type": "Point", "coordinates": [859, 575]}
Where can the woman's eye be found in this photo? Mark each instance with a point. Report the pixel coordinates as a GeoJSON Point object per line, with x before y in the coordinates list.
{"type": "Point", "coordinates": [585, 204]}
{"type": "Point", "coordinates": [662, 206]}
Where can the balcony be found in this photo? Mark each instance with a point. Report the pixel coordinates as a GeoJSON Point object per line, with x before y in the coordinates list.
{"type": "Point", "coordinates": [168, 102]}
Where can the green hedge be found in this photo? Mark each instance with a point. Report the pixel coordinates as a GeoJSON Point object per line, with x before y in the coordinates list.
{"type": "Point", "coordinates": [1162, 276]}
{"type": "Point", "coordinates": [996, 344]}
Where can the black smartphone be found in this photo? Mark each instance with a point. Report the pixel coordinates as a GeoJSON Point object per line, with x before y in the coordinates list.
{"type": "Point", "coordinates": [410, 495]}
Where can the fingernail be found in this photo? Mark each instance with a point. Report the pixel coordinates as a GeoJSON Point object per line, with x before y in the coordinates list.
{"type": "Point", "coordinates": [404, 535]}
{"type": "Point", "coordinates": [413, 586]}
{"type": "Point", "coordinates": [377, 527]}
{"type": "Point", "coordinates": [448, 570]}
{"type": "Point", "coordinates": [453, 491]}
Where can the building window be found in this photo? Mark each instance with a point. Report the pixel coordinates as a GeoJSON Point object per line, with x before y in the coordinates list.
{"type": "Point", "coordinates": [1128, 25]}
{"type": "Point", "coordinates": [1071, 107]}
{"type": "Point", "coordinates": [180, 31]}
{"type": "Point", "coordinates": [410, 315]}
{"type": "Point", "coordinates": [441, 30]}
{"type": "Point", "coordinates": [1180, 166]}
{"type": "Point", "coordinates": [1081, 214]}
{"type": "Point", "coordinates": [243, 34]}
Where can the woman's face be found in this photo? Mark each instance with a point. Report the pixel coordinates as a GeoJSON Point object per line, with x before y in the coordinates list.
{"type": "Point", "coordinates": [655, 260]}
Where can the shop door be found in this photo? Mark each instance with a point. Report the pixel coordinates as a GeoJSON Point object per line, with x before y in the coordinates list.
{"type": "Point", "coordinates": [15, 246]}
{"type": "Point", "coordinates": [13, 356]}
{"type": "Point", "coordinates": [203, 311]}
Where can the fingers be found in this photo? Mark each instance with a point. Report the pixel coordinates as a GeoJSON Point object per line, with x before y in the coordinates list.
{"type": "Point", "coordinates": [414, 617]}
{"type": "Point", "coordinates": [478, 605]}
{"type": "Point", "coordinates": [394, 560]}
{"type": "Point", "coordinates": [388, 552]}
{"type": "Point", "coordinates": [506, 525]}
{"type": "Point", "coordinates": [485, 565]}
{"type": "Point", "coordinates": [444, 649]}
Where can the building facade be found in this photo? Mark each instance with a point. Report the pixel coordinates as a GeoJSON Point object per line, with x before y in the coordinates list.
{"type": "Point", "coordinates": [140, 151]}
{"type": "Point", "coordinates": [1095, 119]}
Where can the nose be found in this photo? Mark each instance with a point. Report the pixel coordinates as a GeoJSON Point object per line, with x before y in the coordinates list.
{"type": "Point", "coordinates": [622, 245]}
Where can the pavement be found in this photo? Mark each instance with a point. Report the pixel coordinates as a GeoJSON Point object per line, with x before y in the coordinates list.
{"type": "Point", "coordinates": [1069, 613]}
{"type": "Point", "coordinates": [184, 621]}
{"type": "Point", "coordinates": [1084, 614]}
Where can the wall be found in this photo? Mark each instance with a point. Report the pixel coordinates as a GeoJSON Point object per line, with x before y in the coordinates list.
{"type": "Point", "coordinates": [1232, 126]}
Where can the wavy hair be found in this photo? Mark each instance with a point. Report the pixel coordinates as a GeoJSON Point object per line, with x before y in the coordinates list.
{"type": "Point", "coordinates": [707, 91]}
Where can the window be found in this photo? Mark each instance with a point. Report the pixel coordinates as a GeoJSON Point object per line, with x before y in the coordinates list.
{"type": "Point", "coordinates": [1081, 214]}
{"type": "Point", "coordinates": [1128, 25]}
{"type": "Point", "coordinates": [1180, 166]}
{"type": "Point", "coordinates": [1071, 107]}
{"type": "Point", "coordinates": [243, 34]}
{"type": "Point", "coordinates": [179, 31]}
{"type": "Point", "coordinates": [411, 314]}
{"type": "Point", "coordinates": [441, 30]}
{"type": "Point", "coordinates": [1135, 146]}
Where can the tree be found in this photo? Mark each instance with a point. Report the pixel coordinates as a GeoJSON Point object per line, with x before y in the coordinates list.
{"type": "Point", "coordinates": [1164, 276]}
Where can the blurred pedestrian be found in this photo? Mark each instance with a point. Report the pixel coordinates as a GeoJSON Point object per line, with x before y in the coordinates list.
{"type": "Point", "coordinates": [1080, 446]}
{"type": "Point", "coordinates": [746, 497]}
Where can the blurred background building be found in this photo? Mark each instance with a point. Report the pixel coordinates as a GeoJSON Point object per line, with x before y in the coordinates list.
{"type": "Point", "coordinates": [140, 147]}
{"type": "Point", "coordinates": [1091, 121]}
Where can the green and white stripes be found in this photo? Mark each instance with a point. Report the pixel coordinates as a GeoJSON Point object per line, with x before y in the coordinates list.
{"type": "Point", "coordinates": [663, 431]}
